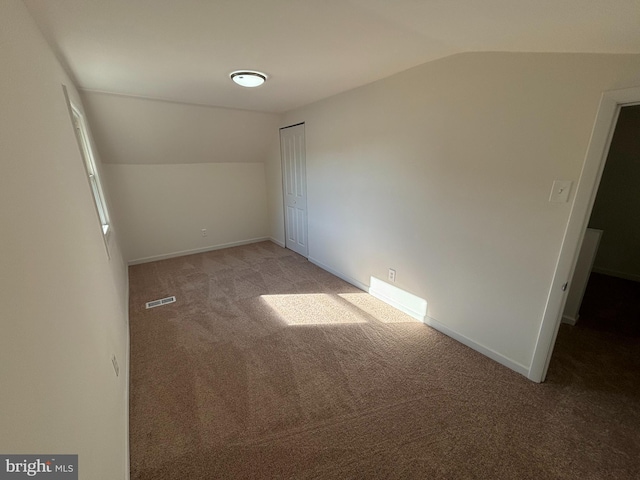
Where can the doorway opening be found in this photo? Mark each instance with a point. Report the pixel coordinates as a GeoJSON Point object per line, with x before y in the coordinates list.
{"type": "Point", "coordinates": [599, 146]}
{"type": "Point", "coordinates": [612, 295]}
{"type": "Point", "coordinates": [599, 349]}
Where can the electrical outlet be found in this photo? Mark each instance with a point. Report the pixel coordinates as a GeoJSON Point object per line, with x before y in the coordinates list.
{"type": "Point", "coordinates": [204, 232]}
{"type": "Point", "coordinates": [392, 275]}
{"type": "Point", "coordinates": [114, 360]}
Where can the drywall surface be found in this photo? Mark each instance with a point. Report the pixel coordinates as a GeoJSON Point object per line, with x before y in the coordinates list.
{"type": "Point", "coordinates": [175, 169]}
{"type": "Point", "coordinates": [443, 172]}
{"type": "Point", "coordinates": [162, 209]}
{"type": "Point", "coordinates": [64, 302]}
{"type": "Point", "coordinates": [275, 199]}
{"type": "Point", "coordinates": [617, 207]}
{"type": "Point", "coordinates": [134, 130]}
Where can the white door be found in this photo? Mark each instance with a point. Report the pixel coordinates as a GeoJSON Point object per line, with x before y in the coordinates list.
{"type": "Point", "coordinates": [294, 186]}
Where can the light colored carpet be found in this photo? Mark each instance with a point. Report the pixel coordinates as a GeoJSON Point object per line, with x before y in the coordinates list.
{"type": "Point", "coordinates": [269, 367]}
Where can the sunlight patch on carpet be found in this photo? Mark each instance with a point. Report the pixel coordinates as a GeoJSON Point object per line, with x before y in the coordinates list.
{"type": "Point", "coordinates": [313, 309]}
{"type": "Point", "coordinates": [377, 308]}
{"type": "Point", "coordinates": [327, 309]}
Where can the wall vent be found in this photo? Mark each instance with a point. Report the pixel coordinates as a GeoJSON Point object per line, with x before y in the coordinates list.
{"type": "Point", "coordinates": [162, 301]}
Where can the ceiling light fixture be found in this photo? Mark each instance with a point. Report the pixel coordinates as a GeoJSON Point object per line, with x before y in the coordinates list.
{"type": "Point", "coordinates": [248, 78]}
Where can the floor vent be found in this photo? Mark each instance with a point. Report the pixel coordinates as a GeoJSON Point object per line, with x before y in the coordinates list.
{"type": "Point", "coordinates": [162, 301]}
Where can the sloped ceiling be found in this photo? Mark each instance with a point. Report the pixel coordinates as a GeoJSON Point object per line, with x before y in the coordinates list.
{"type": "Point", "coordinates": [184, 50]}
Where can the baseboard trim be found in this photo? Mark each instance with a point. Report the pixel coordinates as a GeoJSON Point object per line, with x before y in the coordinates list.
{"type": "Point", "coordinates": [402, 300]}
{"type": "Point", "coordinates": [347, 279]}
{"type": "Point", "coordinates": [127, 371]}
{"type": "Point", "coordinates": [397, 305]}
{"type": "Point", "coordinates": [277, 242]}
{"type": "Point", "coordinates": [569, 320]}
{"type": "Point", "coordinates": [183, 253]}
{"type": "Point", "coordinates": [613, 273]}
{"type": "Point", "coordinates": [371, 291]}
{"type": "Point", "coordinates": [486, 351]}
{"type": "Point", "coordinates": [127, 458]}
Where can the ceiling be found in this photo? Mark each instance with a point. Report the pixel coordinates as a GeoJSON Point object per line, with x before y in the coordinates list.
{"type": "Point", "coordinates": [184, 50]}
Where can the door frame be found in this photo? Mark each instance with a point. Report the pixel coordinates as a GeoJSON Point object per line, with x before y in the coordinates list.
{"type": "Point", "coordinates": [606, 119]}
{"type": "Point", "coordinates": [284, 193]}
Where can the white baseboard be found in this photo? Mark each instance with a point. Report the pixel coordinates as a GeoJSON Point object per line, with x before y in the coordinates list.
{"type": "Point", "coordinates": [127, 372]}
{"type": "Point", "coordinates": [486, 351]}
{"type": "Point", "coordinates": [347, 279]}
{"type": "Point", "coordinates": [380, 293]}
{"type": "Point", "coordinates": [569, 320]}
{"type": "Point", "coordinates": [614, 273]}
{"type": "Point", "coordinates": [183, 253]}
{"type": "Point", "coordinates": [127, 453]}
{"type": "Point", "coordinates": [402, 300]}
{"type": "Point", "coordinates": [277, 242]}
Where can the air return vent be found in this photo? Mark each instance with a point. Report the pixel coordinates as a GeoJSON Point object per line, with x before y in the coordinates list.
{"type": "Point", "coordinates": [162, 301]}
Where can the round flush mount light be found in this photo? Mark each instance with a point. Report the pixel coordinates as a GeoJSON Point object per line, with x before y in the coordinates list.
{"type": "Point", "coordinates": [248, 78]}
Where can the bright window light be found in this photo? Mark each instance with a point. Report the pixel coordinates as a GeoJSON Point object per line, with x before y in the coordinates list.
{"type": "Point", "coordinates": [93, 176]}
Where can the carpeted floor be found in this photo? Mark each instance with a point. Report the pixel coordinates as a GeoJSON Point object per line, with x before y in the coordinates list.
{"type": "Point", "coordinates": [268, 367]}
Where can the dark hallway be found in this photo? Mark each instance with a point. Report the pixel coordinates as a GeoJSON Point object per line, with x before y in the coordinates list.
{"type": "Point", "coordinates": [611, 305]}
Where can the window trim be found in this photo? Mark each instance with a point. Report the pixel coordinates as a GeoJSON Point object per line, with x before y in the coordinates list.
{"type": "Point", "coordinates": [81, 133]}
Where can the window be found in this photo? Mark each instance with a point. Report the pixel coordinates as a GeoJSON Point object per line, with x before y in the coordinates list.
{"type": "Point", "coordinates": [90, 165]}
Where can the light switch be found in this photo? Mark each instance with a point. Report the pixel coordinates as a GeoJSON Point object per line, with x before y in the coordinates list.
{"type": "Point", "coordinates": [560, 191]}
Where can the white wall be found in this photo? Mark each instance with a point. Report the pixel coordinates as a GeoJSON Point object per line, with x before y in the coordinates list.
{"type": "Point", "coordinates": [163, 208]}
{"type": "Point", "coordinates": [275, 200]}
{"type": "Point", "coordinates": [64, 303]}
{"type": "Point", "coordinates": [132, 130]}
{"type": "Point", "coordinates": [617, 206]}
{"type": "Point", "coordinates": [175, 169]}
{"type": "Point", "coordinates": [443, 172]}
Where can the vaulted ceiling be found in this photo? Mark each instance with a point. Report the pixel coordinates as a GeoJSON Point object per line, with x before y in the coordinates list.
{"type": "Point", "coordinates": [184, 50]}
